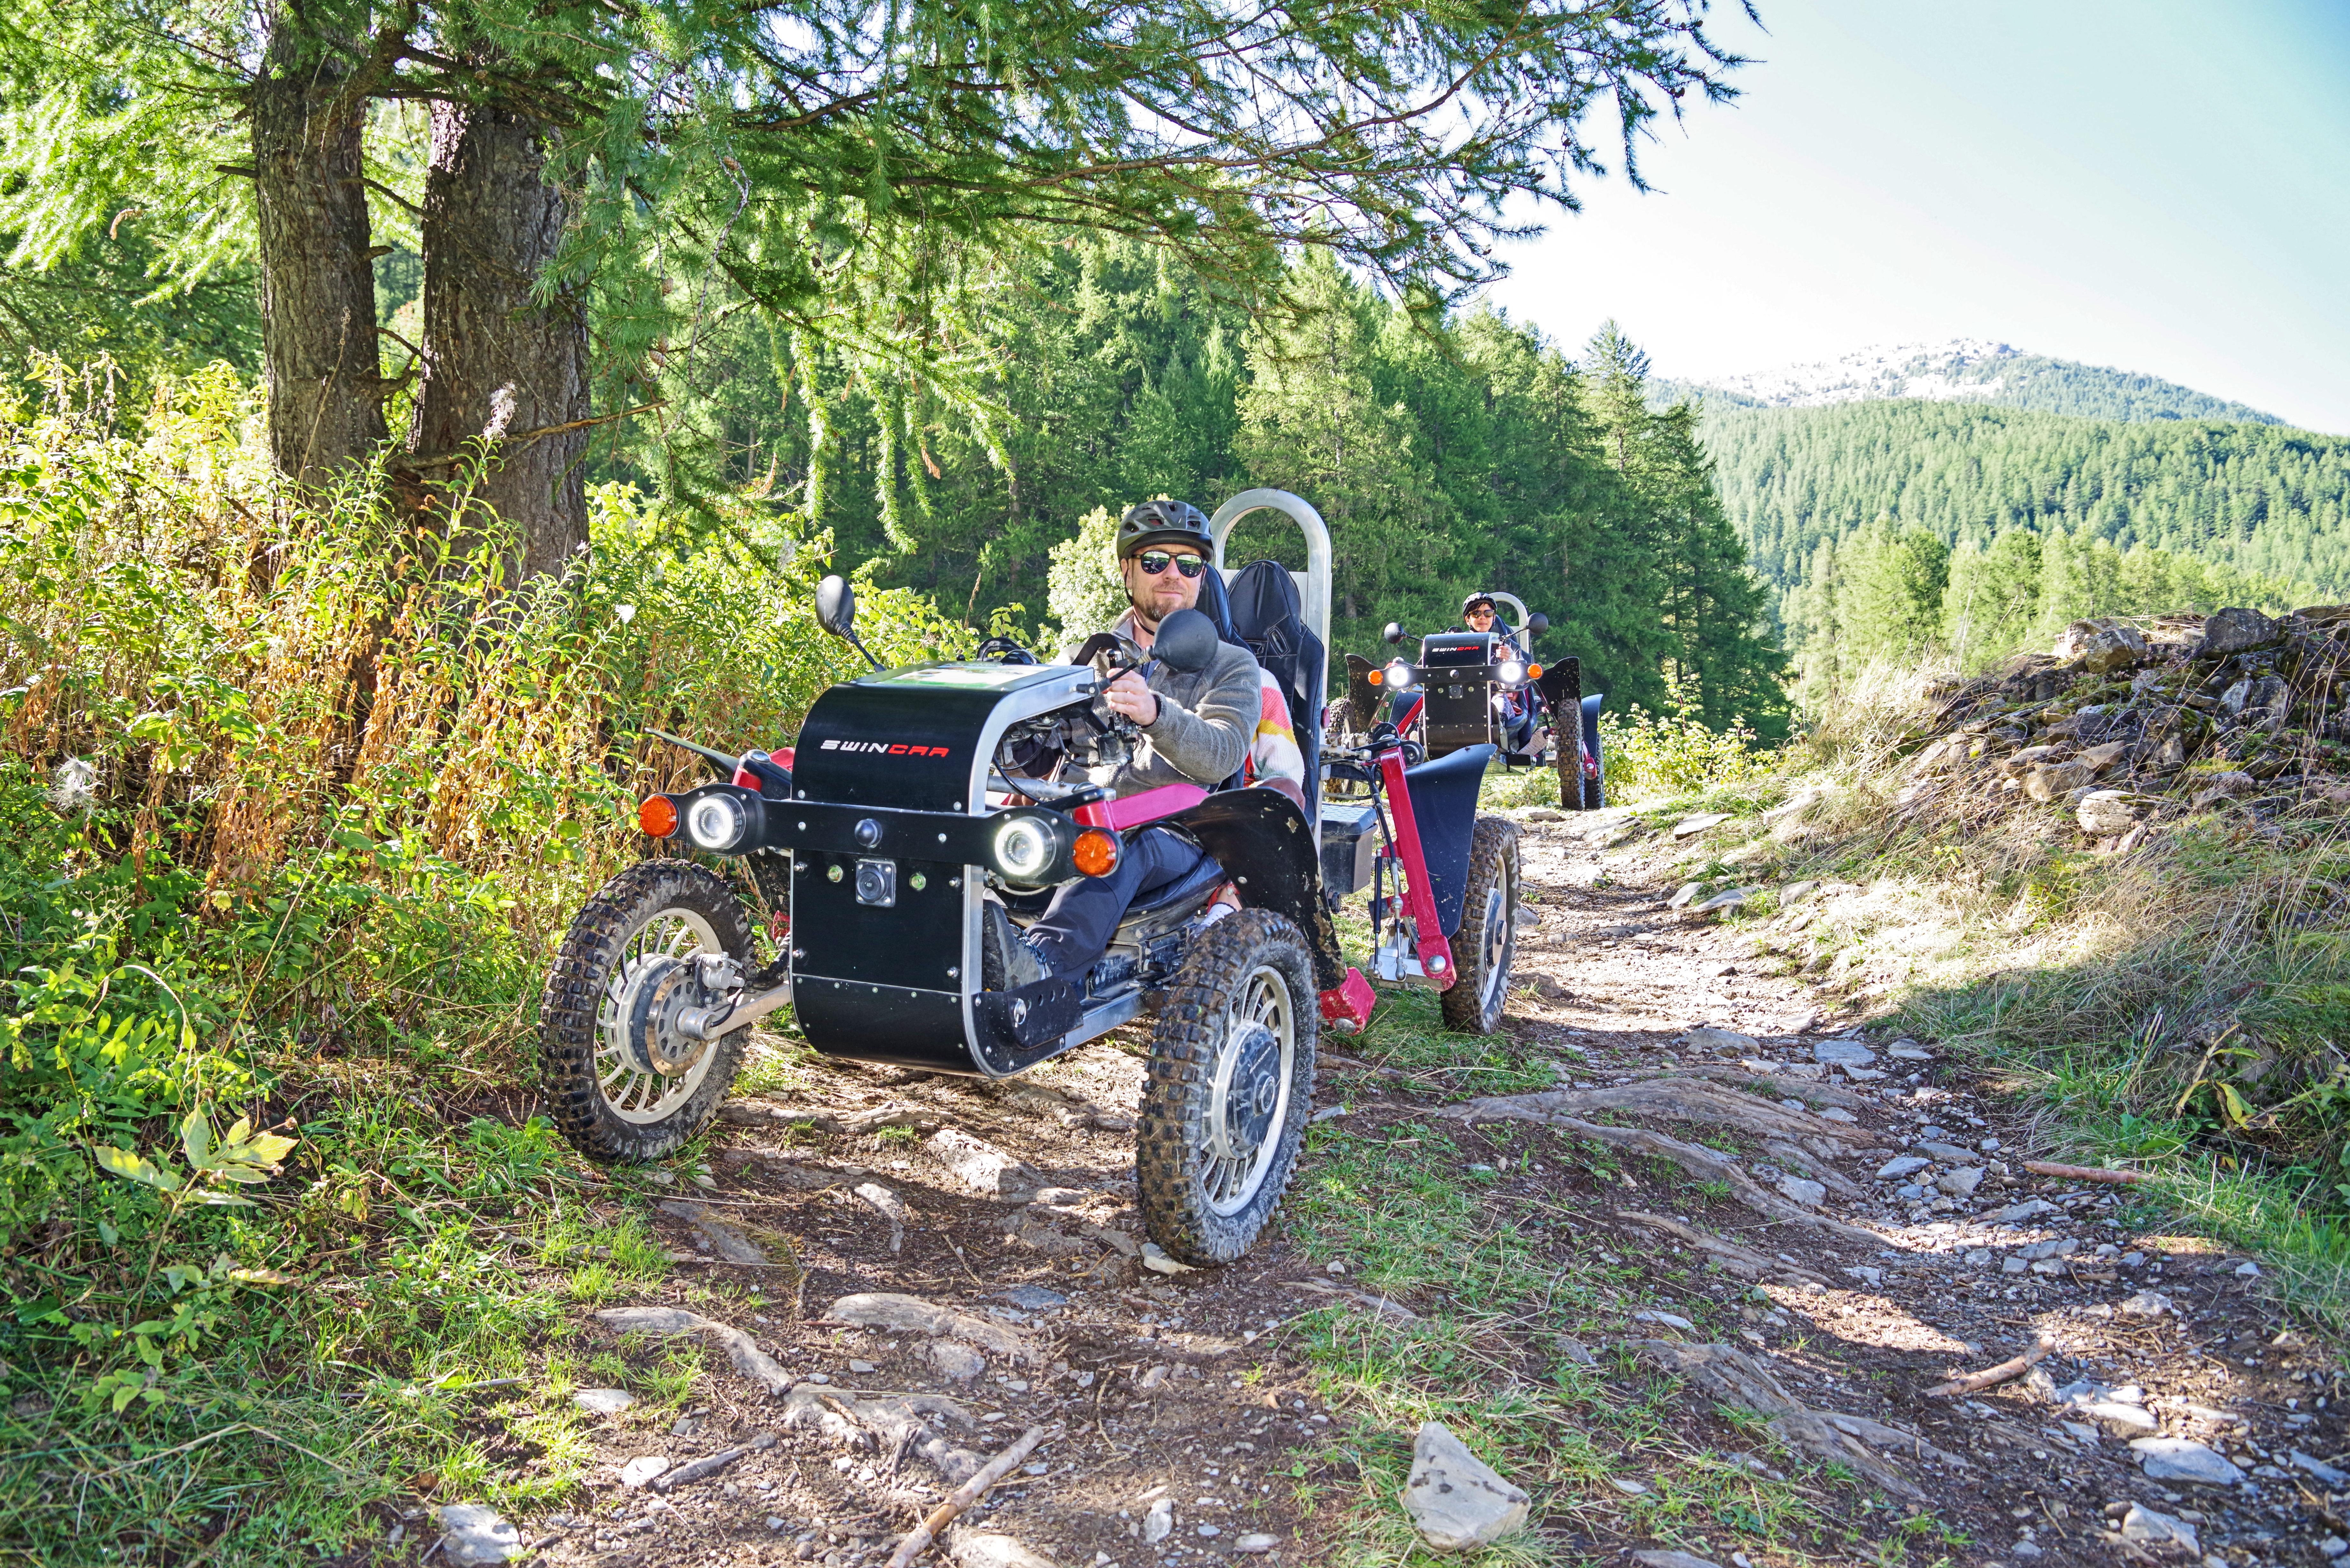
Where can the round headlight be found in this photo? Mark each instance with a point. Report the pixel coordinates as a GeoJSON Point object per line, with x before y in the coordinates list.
{"type": "Point", "coordinates": [1398, 675]}
{"type": "Point", "coordinates": [1024, 850]}
{"type": "Point", "coordinates": [1512, 672]}
{"type": "Point", "coordinates": [715, 822]}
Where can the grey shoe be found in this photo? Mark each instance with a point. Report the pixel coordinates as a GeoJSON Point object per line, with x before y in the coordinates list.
{"type": "Point", "coordinates": [1006, 960]}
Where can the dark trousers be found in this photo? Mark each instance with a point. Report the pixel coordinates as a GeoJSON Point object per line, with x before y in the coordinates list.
{"type": "Point", "coordinates": [1077, 924]}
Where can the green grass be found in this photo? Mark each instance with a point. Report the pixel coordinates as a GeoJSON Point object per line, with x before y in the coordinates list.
{"type": "Point", "coordinates": [1500, 1284]}
{"type": "Point", "coordinates": [274, 1433]}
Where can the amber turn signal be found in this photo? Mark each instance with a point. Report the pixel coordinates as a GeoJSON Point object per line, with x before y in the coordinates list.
{"type": "Point", "coordinates": [1376, 677]}
{"type": "Point", "coordinates": [1534, 672]}
{"type": "Point", "coordinates": [1095, 852]}
{"type": "Point", "coordinates": [658, 816]}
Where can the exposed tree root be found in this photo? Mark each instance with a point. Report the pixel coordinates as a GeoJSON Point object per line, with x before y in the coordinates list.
{"type": "Point", "coordinates": [892, 1421]}
{"type": "Point", "coordinates": [1744, 1262]}
{"type": "Point", "coordinates": [1811, 1091]}
{"type": "Point", "coordinates": [1733, 1377]}
{"type": "Point", "coordinates": [1688, 1100]}
{"type": "Point", "coordinates": [1706, 1164]}
{"type": "Point", "coordinates": [742, 1352]}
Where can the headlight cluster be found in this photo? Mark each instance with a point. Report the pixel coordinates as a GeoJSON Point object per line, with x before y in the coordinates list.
{"type": "Point", "coordinates": [716, 822]}
{"type": "Point", "coordinates": [1512, 671]}
{"type": "Point", "coordinates": [1025, 847]}
{"type": "Point", "coordinates": [1032, 849]}
{"type": "Point", "coordinates": [1399, 676]}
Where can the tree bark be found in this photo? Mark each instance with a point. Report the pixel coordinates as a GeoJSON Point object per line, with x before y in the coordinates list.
{"type": "Point", "coordinates": [497, 365]}
{"type": "Point", "coordinates": [317, 286]}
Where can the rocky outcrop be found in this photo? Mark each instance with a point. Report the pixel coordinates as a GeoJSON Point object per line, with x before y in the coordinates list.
{"type": "Point", "coordinates": [2125, 725]}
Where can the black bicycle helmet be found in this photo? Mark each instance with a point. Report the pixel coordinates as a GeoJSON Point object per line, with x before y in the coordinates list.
{"type": "Point", "coordinates": [1163, 523]}
{"type": "Point", "coordinates": [1477, 598]}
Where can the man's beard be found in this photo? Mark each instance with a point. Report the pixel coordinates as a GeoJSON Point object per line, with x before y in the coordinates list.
{"type": "Point", "coordinates": [1143, 617]}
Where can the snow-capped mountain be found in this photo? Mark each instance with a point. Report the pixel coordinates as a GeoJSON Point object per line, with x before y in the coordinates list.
{"type": "Point", "coordinates": [1962, 370]}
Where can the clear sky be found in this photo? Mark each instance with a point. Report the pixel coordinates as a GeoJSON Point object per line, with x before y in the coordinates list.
{"type": "Point", "coordinates": [2153, 186]}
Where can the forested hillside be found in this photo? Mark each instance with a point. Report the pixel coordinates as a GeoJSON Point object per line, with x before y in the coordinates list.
{"type": "Point", "coordinates": [1448, 451]}
{"type": "Point", "coordinates": [2260, 499]}
{"type": "Point", "coordinates": [2035, 519]}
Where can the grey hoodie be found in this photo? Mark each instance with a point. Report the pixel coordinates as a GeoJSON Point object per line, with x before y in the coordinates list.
{"type": "Point", "coordinates": [1205, 721]}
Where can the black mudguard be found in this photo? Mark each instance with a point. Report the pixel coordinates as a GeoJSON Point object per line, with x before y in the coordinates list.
{"type": "Point", "coordinates": [1444, 805]}
{"type": "Point", "coordinates": [1262, 839]}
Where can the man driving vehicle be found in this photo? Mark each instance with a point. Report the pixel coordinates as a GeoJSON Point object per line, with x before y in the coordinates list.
{"type": "Point", "coordinates": [1196, 728]}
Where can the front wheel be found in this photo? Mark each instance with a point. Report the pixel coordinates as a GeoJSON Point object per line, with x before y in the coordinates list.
{"type": "Point", "coordinates": [624, 1082]}
{"type": "Point", "coordinates": [1230, 1089]}
{"type": "Point", "coordinates": [1487, 940]}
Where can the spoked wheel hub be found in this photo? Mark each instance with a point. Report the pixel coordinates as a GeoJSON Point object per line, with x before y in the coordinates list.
{"type": "Point", "coordinates": [1246, 1093]}
{"type": "Point", "coordinates": [1249, 1092]}
{"type": "Point", "coordinates": [1494, 938]}
{"type": "Point", "coordinates": [654, 995]}
{"type": "Point", "coordinates": [645, 1066]}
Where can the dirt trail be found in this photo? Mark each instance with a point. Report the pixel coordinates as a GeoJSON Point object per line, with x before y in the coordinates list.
{"type": "Point", "coordinates": [1773, 1270]}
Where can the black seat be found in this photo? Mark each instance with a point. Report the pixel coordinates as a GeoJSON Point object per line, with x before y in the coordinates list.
{"type": "Point", "coordinates": [1266, 615]}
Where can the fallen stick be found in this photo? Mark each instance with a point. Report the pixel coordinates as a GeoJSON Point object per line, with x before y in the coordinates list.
{"type": "Point", "coordinates": [963, 1496]}
{"type": "Point", "coordinates": [1974, 1382]}
{"type": "Point", "coordinates": [703, 1469]}
{"type": "Point", "coordinates": [2087, 1173]}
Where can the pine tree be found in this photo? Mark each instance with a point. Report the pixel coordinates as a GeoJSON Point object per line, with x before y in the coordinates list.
{"type": "Point", "coordinates": [1889, 597]}
{"type": "Point", "coordinates": [1311, 423]}
{"type": "Point", "coordinates": [1991, 604]}
{"type": "Point", "coordinates": [628, 177]}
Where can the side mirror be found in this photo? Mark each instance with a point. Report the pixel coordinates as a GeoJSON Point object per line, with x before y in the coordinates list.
{"type": "Point", "coordinates": [1536, 624]}
{"type": "Point", "coordinates": [835, 607]}
{"type": "Point", "coordinates": [835, 611]}
{"type": "Point", "coordinates": [1186, 640]}
{"type": "Point", "coordinates": [1393, 632]}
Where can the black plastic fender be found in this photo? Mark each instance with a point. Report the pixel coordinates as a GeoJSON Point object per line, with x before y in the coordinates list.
{"type": "Point", "coordinates": [1265, 842]}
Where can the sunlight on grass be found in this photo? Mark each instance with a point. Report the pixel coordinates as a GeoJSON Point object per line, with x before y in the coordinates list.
{"type": "Point", "coordinates": [1492, 1354]}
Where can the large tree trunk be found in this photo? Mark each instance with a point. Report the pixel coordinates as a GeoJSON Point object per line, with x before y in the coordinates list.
{"type": "Point", "coordinates": [500, 368]}
{"type": "Point", "coordinates": [317, 286]}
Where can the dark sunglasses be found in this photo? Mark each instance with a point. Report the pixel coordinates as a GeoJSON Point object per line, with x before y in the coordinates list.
{"type": "Point", "coordinates": [1154, 562]}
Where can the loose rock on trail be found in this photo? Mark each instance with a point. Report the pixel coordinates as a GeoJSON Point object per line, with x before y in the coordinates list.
{"type": "Point", "coordinates": [1825, 1232]}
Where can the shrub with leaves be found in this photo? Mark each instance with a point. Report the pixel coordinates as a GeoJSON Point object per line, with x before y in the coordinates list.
{"type": "Point", "coordinates": [1674, 753]}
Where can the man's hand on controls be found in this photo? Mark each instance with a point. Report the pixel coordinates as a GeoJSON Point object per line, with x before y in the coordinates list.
{"type": "Point", "coordinates": [1129, 696]}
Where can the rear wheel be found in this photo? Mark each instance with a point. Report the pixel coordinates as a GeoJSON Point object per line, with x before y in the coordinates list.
{"type": "Point", "coordinates": [1230, 1089]}
{"type": "Point", "coordinates": [624, 1082]}
{"type": "Point", "coordinates": [1488, 937]}
{"type": "Point", "coordinates": [1568, 756]}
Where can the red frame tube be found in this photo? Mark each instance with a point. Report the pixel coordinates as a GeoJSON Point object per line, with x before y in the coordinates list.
{"type": "Point", "coordinates": [1419, 896]}
{"type": "Point", "coordinates": [1145, 806]}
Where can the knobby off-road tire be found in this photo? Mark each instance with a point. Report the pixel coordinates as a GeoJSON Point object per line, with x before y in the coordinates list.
{"type": "Point", "coordinates": [1488, 937]}
{"type": "Point", "coordinates": [1567, 757]}
{"type": "Point", "coordinates": [1231, 1088]}
{"type": "Point", "coordinates": [639, 926]}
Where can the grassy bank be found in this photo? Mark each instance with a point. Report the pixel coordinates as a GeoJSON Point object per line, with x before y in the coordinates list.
{"type": "Point", "coordinates": [2171, 985]}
